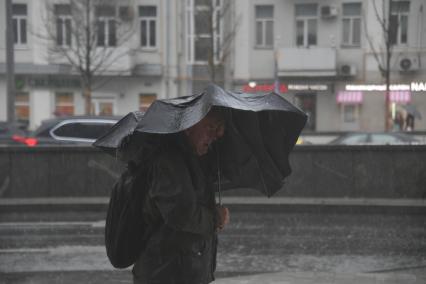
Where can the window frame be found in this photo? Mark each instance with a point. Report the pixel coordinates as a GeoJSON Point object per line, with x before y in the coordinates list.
{"type": "Point", "coordinates": [399, 15]}
{"type": "Point", "coordinates": [148, 20]}
{"type": "Point", "coordinates": [106, 20]}
{"type": "Point", "coordinates": [191, 36]}
{"type": "Point", "coordinates": [64, 18]}
{"type": "Point", "coordinates": [17, 20]}
{"type": "Point", "coordinates": [305, 19]}
{"type": "Point", "coordinates": [351, 19]}
{"type": "Point", "coordinates": [264, 22]}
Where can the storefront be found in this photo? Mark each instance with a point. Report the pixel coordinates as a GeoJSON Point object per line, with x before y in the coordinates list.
{"type": "Point", "coordinates": [40, 97]}
{"type": "Point", "coordinates": [369, 104]}
{"type": "Point", "coordinates": [306, 96]}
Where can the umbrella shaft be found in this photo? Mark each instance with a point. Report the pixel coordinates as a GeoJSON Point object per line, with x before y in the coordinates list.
{"type": "Point", "coordinates": [218, 176]}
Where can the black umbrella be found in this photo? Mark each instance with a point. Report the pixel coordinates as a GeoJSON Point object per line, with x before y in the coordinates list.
{"type": "Point", "coordinates": [261, 131]}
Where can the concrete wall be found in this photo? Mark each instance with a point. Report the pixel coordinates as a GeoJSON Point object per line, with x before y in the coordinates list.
{"type": "Point", "coordinates": [318, 171]}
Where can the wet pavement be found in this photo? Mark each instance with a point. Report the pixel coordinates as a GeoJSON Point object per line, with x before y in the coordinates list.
{"type": "Point", "coordinates": [260, 246]}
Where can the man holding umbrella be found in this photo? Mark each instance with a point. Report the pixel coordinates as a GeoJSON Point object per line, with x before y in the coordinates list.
{"type": "Point", "coordinates": [181, 205]}
{"type": "Point", "coordinates": [252, 152]}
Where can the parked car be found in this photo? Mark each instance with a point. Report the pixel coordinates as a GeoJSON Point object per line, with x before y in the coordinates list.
{"type": "Point", "coordinates": [73, 129]}
{"type": "Point", "coordinates": [374, 138]}
{"type": "Point", "coordinates": [14, 134]}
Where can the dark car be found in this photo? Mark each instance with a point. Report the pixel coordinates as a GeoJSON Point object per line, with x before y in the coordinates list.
{"type": "Point", "coordinates": [14, 134]}
{"type": "Point", "coordinates": [374, 138]}
{"type": "Point", "coordinates": [73, 129]}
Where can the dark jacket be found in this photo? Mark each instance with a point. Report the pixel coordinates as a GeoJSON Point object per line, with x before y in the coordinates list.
{"type": "Point", "coordinates": [181, 208]}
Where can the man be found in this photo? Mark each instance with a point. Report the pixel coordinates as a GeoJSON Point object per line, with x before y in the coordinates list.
{"type": "Point", "coordinates": [181, 208]}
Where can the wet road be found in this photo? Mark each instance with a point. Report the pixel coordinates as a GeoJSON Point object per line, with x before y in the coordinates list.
{"type": "Point", "coordinates": [64, 246]}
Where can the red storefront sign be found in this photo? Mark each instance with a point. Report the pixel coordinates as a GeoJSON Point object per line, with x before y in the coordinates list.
{"type": "Point", "coordinates": [264, 88]}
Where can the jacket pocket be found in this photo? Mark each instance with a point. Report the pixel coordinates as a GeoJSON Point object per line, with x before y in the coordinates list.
{"type": "Point", "coordinates": [196, 263]}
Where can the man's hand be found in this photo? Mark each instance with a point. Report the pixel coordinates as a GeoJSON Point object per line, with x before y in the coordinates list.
{"type": "Point", "coordinates": [222, 217]}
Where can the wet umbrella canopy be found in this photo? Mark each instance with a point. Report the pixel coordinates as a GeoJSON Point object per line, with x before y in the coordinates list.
{"type": "Point", "coordinates": [260, 132]}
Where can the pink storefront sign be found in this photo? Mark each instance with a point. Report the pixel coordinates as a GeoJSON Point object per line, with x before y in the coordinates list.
{"type": "Point", "coordinates": [400, 97]}
{"type": "Point", "coordinates": [349, 97]}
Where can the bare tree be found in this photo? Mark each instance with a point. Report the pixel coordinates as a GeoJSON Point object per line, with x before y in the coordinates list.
{"type": "Point", "coordinates": [383, 53]}
{"type": "Point", "coordinates": [89, 35]}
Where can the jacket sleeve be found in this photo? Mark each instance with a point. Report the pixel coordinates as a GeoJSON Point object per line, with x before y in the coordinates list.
{"type": "Point", "coordinates": [173, 194]}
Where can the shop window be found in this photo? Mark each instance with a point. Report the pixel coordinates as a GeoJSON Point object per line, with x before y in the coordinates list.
{"type": "Point", "coordinates": [145, 100]}
{"type": "Point", "coordinates": [349, 113]}
{"type": "Point", "coordinates": [102, 106]}
{"type": "Point", "coordinates": [22, 107]}
{"type": "Point", "coordinates": [64, 104]}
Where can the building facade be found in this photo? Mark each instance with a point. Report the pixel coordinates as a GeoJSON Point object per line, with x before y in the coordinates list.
{"type": "Point", "coordinates": [321, 55]}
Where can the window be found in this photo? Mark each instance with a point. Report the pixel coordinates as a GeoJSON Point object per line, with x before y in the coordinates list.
{"type": "Point", "coordinates": [106, 26]}
{"type": "Point", "coordinates": [203, 21]}
{"type": "Point", "coordinates": [349, 113]}
{"type": "Point", "coordinates": [82, 130]}
{"type": "Point", "coordinates": [351, 32]}
{"type": "Point", "coordinates": [22, 107]}
{"type": "Point", "coordinates": [145, 100]}
{"type": "Point", "coordinates": [103, 106]}
{"type": "Point", "coordinates": [148, 26]}
{"type": "Point", "coordinates": [264, 26]}
{"type": "Point", "coordinates": [63, 24]}
{"type": "Point", "coordinates": [398, 25]}
{"type": "Point", "coordinates": [306, 24]}
{"type": "Point", "coordinates": [19, 18]}
{"type": "Point", "coordinates": [64, 104]}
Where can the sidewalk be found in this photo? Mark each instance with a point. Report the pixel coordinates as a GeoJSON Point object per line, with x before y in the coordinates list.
{"type": "Point", "coordinates": [327, 278]}
{"type": "Point", "coordinates": [124, 276]}
{"type": "Point", "coordinates": [416, 206]}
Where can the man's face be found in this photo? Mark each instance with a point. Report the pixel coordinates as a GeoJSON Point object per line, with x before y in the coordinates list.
{"type": "Point", "coordinates": [205, 132]}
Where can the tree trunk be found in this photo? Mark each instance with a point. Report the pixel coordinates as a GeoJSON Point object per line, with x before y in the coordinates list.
{"type": "Point", "coordinates": [88, 101]}
{"type": "Point", "coordinates": [388, 116]}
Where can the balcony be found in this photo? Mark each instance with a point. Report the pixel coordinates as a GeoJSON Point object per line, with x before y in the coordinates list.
{"type": "Point", "coordinates": [306, 62]}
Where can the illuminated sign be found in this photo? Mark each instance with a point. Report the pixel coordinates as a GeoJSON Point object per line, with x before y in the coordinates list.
{"type": "Point", "coordinates": [414, 86]}
{"type": "Point", "coordinates": [264, 88]}
{"type": "Point", "coordinates": [283, 88]}
{"type": "Point", "coordinates": [418, 86]}
{"type": "Point", "coordinates": [307, 87]}
{"type": "Point", "coordinates": [374, 87]}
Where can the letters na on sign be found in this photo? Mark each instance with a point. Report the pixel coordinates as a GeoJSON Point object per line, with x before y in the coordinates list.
{"type": "Point", "coordinates": [418, 86]}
